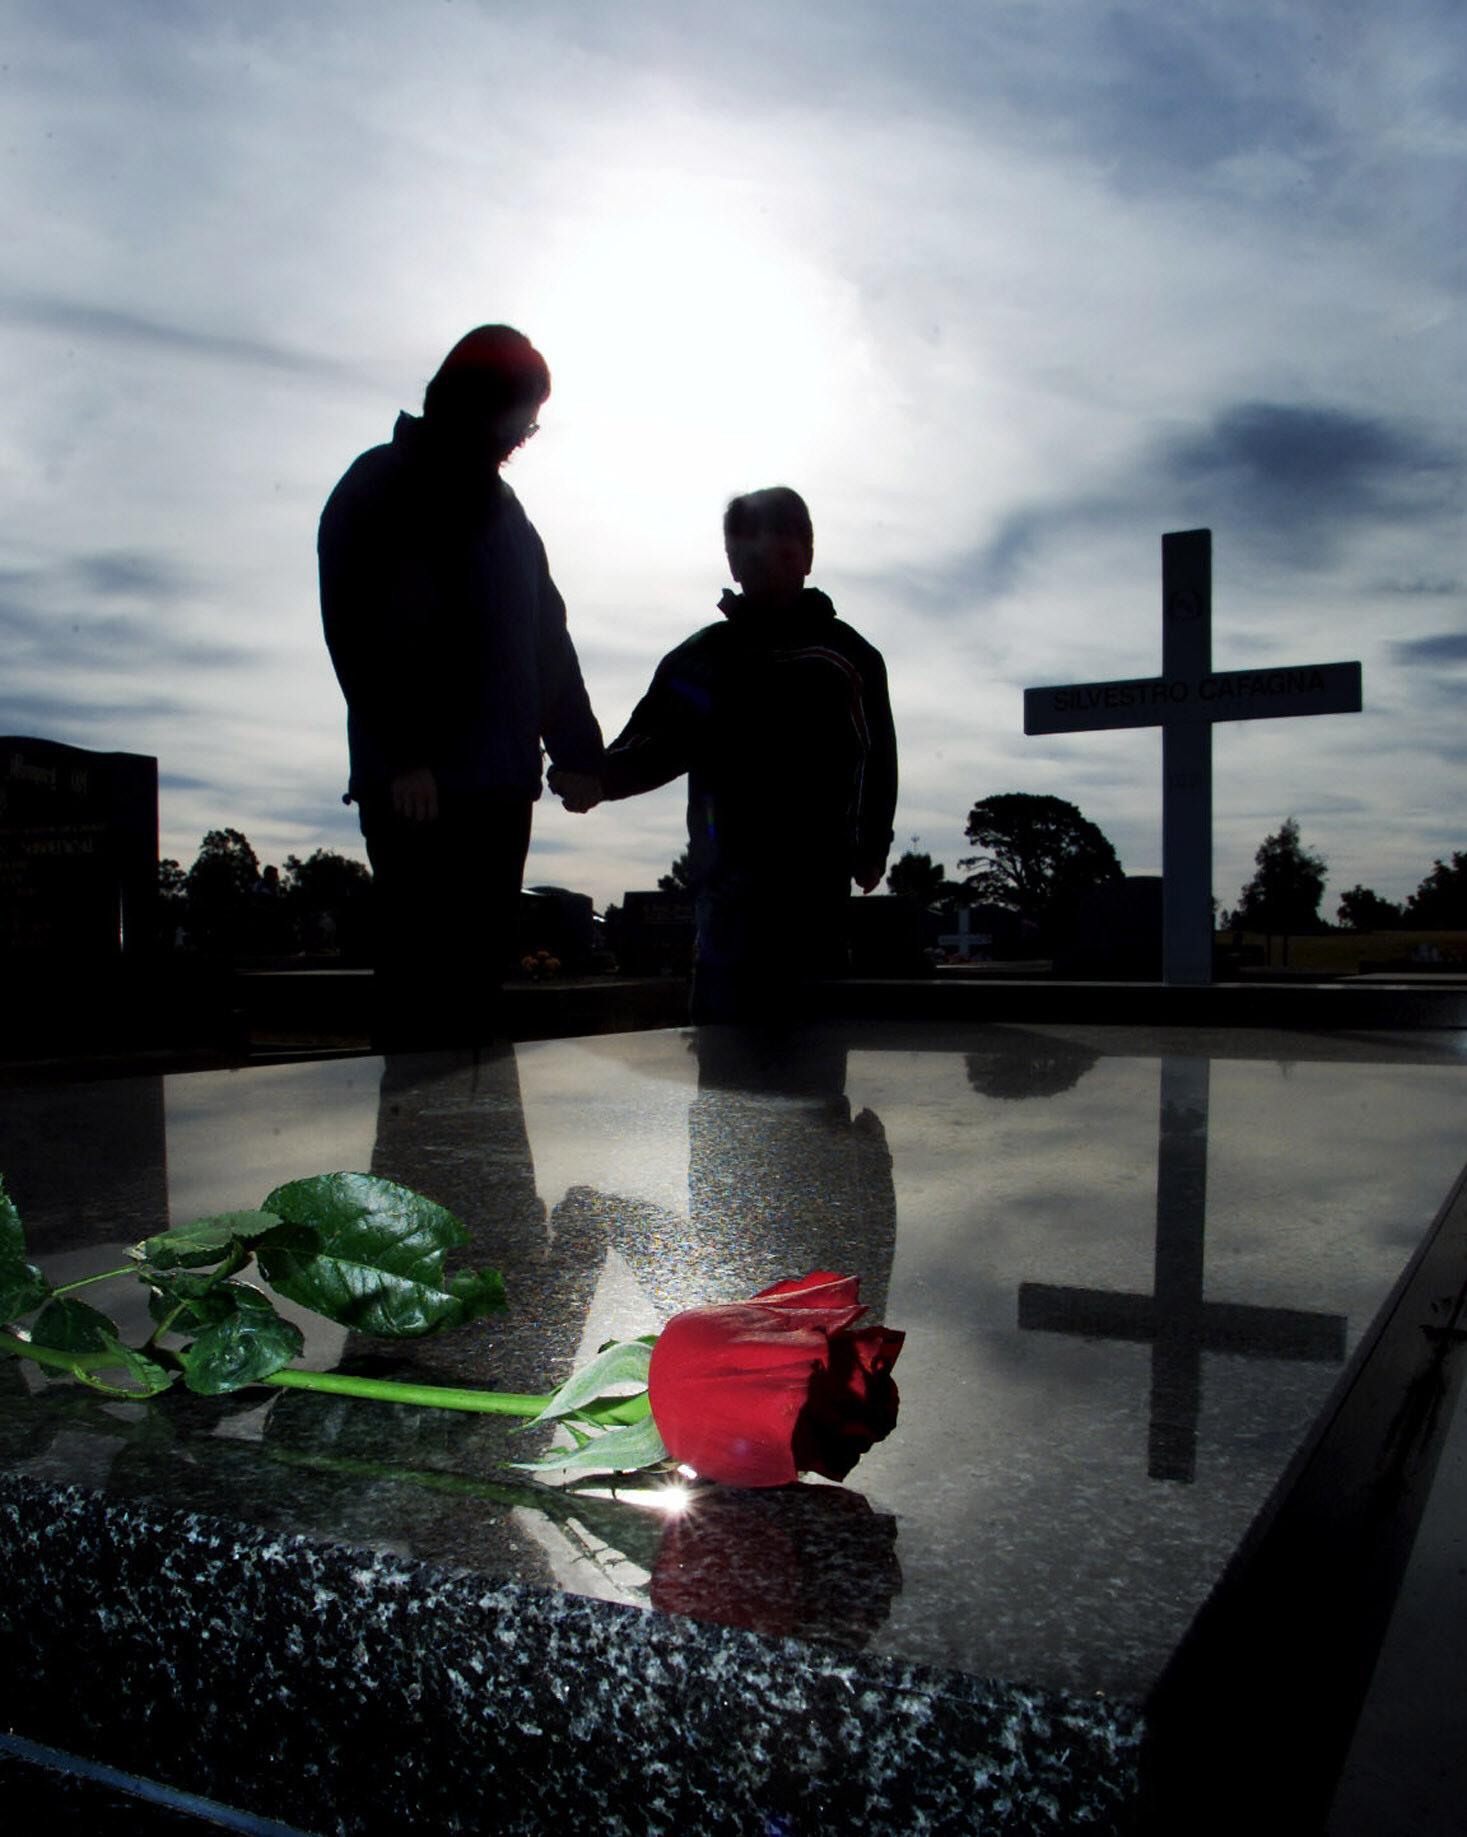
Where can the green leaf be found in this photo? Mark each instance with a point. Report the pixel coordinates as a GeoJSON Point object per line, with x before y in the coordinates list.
{"type": "Point", "coordinates": [168, 1288]}
{"type": "Point", "coordinates": [244, 1341]}
{"type": "Point", "coordinates": [206, 1240]}
{"type": "Point", "coordinates": [74, 1327]}
{"type": "Point", "coordinates": [478, 1292]}
{"type": "Point", "coordinates": [368, 1254]}
{"type": "Point", "coordinates": [620, 1362]}
{"type": "Point", "coordinates": [22, 1286]}
{"type": "Point", "coordinates": [617, 1451]}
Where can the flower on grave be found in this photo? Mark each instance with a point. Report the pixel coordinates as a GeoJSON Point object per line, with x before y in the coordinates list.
{"type": "Point", "coordinates": [757, 1392]}
{"type": "Point", "coordinates": [751, 1393]}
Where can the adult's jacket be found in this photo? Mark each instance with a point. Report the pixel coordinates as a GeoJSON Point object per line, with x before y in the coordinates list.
{"type": "Point", "coordinates": [782, 722]}
{"type": "Point", "coordinates": [446, 631]}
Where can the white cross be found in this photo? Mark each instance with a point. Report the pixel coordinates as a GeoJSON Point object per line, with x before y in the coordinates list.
{"type": "Point", "coordinates": [1184, 701]}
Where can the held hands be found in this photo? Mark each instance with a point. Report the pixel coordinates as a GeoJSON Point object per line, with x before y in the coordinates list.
{"type": "Point", "coordinates": [578, 791]}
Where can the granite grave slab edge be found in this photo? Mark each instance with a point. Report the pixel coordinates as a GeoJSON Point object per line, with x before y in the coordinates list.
{"type": "Point", "coordinates": [353, 1691]}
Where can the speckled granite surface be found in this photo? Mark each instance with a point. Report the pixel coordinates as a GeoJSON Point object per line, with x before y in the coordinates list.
{"type": "Point", "coordinates": [353, 1691]}
{"type": "Point", "coordinates": [353, 1617]}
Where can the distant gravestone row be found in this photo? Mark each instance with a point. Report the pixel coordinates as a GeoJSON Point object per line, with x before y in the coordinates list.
{"type": "Point", "coordinates": [78, 853]}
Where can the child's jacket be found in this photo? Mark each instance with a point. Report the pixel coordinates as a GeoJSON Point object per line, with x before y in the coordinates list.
{"type": "Point", "coordinates": [783, 724]}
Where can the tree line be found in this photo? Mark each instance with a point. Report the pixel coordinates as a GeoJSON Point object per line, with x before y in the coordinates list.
{"type": "Point", "coordinates": [227, 903]}
{"type": "Point", "coordinates": [1036, 856]}
{"type": "Point", "coordinates": [1039, 854]}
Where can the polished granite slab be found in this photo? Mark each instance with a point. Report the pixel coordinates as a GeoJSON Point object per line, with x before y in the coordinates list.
{"type": "Point", "coordinates": [1132, 1265]}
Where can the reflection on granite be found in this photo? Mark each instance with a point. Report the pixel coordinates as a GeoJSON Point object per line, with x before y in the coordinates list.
{"type": "Point", "coordinates": [782, 1179]}
{"type": "Point", "coordinates": [1174, 1319]}
{"type": "Point", "coordinates": [1145, 1270]}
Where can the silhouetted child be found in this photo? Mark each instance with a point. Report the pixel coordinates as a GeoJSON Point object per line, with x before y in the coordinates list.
{"type": "Point", "coordinates": [779, 715]}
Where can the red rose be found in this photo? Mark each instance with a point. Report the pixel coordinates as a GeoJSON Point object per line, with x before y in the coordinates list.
{"type": "Point", "coordinates": [755, 1393]}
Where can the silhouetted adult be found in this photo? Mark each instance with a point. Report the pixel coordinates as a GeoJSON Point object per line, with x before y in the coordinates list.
{"type": "Point", "coordinates": [450, 643]}
{"type": "Point", "coordinates": [779, 714]}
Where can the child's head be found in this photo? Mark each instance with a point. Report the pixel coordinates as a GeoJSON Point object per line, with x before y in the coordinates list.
{"type": "Point", "coordinates": [770, 542]}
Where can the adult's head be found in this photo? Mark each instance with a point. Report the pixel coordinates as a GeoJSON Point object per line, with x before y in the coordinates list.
{"type": "Point", "coordinates": [770, 542]}
{"type": "Point", "coordinates": [487, 391]}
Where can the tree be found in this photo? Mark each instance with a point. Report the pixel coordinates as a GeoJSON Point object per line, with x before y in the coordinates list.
{"type": "Point", "coordinates": [1041, 854]}
{"type": "Point", "coordinates": [172, 900]}
{"type": "Point", "coordinates": [1285, 892]}
{"type": "Point", "coordinates": [1363, 909]}
{"type": "Point", "coordinates": [1440, 902]}
{"type": "Point", "coordinates": [329, 898]}
{"type": "Point", "coordinates": [220, 887]}
{"type": "Point", "coordinates": [677, 880]}
{"type": "Point", "coordinates": [918, 877]}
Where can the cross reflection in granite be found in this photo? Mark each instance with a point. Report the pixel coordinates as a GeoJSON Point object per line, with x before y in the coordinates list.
{"type": "Point", "coordinates": [1179, 1324]}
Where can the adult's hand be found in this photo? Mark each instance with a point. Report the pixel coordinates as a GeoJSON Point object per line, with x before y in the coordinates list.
{"type": "Point", "coordinates": [415, 795]}
{"type": "Point", "coordinates": [578, 791]}
{"type": "Point", "coordinates": [869, 879]}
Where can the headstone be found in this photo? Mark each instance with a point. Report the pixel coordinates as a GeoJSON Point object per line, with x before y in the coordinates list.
{"type": "Point", "coordinates": [556, 920]}
{"type": "Point", "coordinates": [78, 853]}
{"type": "Point", "coordinates": [887, 938]}
{"type": "Point", "coordinates": [653, 935]}
{"type": "Point", "coordinates": [1184, 701]}
{"type": "Point", "coordinates": [1113, 932]}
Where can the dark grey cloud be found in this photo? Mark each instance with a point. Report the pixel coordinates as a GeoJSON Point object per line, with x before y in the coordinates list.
{"type": "Point", "coordinates": [1298, 480]}
{"type": "Point", "coordinates": [79, 720]}
{"type": "Point", "coordinates": [128, 573]}
{"type": "Point", "coordinates": [1443, 647]}
{"type": "Point", "coordinates": [53, 616]}
{"type": "Point", "coordinates": [1300, 470]}
{"type": "Point", "coordinates": [974, 578]}
{"type": "Point", "coordinates": [1425, 586]}
{"type": "Point", "coordinates": [108, 325]}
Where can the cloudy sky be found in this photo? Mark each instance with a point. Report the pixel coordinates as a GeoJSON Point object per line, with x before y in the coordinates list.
{"type": "Point", "coordinates": [1005, 287]}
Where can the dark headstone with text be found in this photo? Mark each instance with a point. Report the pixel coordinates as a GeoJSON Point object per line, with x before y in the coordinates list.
{"type": "Point", "coordinates": [653, 934]}
{"type": "Point", "coordinates": [78, 853]}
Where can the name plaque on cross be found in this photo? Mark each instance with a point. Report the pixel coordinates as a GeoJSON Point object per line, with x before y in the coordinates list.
{"type": "Point", "coordinates": [1185, 701]}
{"type": "Point", "coordinates": [1226, 695]}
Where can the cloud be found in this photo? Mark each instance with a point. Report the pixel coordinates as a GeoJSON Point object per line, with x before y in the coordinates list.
{"type": "Point", "coordinates": [1305, 475]}
{"type": "Point", "coordinates": [109, 325]}
{"type": "Point", "coordinates": [1443, 647]}
{"type": "Point", "coordinates": [50, 623]}
{"type": "Point", "coordinates": [92, 722]}
{"type": "Point", "coordinates": [130, 575]}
